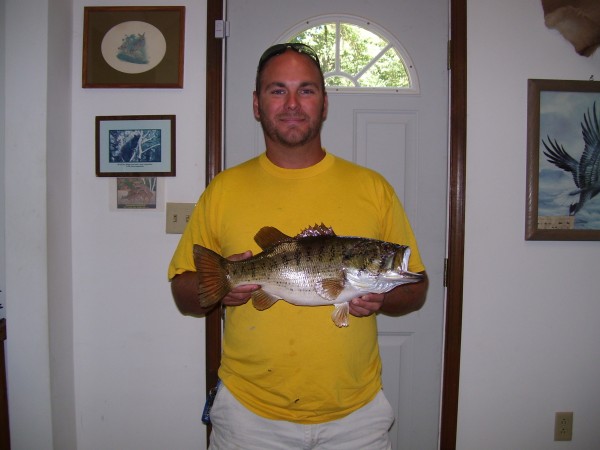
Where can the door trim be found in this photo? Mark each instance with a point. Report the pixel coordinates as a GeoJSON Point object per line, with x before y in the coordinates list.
{"type": "Point", "coordinates": [214, 164]}
{"type": "Point", "coordinates": [4, 421]}
{"type": "Point", "coordinates": [456, 202]}
{"type": "Point", "coordinates": [456, 222]}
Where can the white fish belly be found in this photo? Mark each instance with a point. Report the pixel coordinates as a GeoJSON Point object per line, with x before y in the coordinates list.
{"type": "Point", "coordinates": [305, 294]}
{"type": "Point", "coordinates": [309, 296]}
{"type": "Point", "coordinates": [302, 291]}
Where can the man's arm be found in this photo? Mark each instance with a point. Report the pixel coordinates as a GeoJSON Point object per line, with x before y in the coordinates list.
{"type": "Point", "coordinates": [406, 298]}
{"type": "Point", "coordinates": [185, 292]}
{"type": "Point", "coordinates": [397, 302]}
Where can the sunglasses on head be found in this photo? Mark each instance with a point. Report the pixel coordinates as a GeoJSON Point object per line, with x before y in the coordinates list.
{"type": "Point", "coordinates": [278, 49]}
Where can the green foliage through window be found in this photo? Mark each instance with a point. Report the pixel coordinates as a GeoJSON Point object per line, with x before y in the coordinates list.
{"type": "Point", "coordinates": [353, 57]}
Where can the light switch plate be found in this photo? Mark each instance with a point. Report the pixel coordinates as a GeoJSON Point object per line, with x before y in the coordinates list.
{"type": "Point", "coordinates": [178, 215]}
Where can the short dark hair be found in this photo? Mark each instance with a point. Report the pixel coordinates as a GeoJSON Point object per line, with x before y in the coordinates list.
{"type": "Point", "coordinates": [278, 49]}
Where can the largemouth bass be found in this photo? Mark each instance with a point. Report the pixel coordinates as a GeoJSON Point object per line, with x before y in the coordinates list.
{"type": "Point", "coordinates": [314, 268]}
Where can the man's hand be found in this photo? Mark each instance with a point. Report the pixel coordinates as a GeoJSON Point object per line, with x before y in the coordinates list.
{"type": "Point", "coordinates": [241, 294]}
{"type": "Point", "coordinates": [399, 301]}
{"type": "Point", "coordinates": [366, 305]}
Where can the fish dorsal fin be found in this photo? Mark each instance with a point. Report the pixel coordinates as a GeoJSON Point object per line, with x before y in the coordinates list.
{"type": "Point", "coordinates": [316, 230]}
{"type": "Point", "coordinates": [262, 300]}
{"type": "Point", "coordinates": [269, 236]}
{"type": "Point", "coordinates": [330, 288]}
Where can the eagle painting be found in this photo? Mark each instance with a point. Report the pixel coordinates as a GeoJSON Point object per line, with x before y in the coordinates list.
{"type": "Point", "coordinates": [586, 171]}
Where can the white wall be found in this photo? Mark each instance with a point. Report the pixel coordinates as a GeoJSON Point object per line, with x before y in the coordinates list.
{"type": "Point", "coordinates": [58, 199]}
{"type": "Point", "coordinates": [139, 364]}
{"type": "Point", "coordinates": [98, 355]}
{"type": "Point", "coordinates": [530, 342]}
{"type": "Point", "coordinates": [26, 25]}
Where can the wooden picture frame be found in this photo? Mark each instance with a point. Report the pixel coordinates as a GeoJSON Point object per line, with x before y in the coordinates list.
{"type": "Point", "coordinates": [563, 160]}
{"type": "Point", "coordinates": [135, 146]}
{"type": "Point", "coordinates": [133, 47]}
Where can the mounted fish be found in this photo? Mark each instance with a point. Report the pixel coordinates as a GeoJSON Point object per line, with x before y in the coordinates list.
{"type": "Point", "coordinates": [315, 268]}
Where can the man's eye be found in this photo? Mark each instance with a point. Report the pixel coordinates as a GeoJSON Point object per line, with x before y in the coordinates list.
{"type": "Point", "coordinates": [307, 91]}
{"type": "Point", "coordinates": [278, 91]}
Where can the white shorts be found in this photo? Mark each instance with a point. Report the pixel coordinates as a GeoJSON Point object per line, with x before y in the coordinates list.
{"type": "Point", "coordinates": [235, 427]}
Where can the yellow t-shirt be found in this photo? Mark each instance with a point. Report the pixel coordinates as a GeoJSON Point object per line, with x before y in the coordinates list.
{"type": "Point", "coordinates": [291, 362]}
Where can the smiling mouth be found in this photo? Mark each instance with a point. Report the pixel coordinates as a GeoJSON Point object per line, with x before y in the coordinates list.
{"type": "Point", "coordinates": [293, 123]}
{"type": "Point", "coordinates": [293, 118]}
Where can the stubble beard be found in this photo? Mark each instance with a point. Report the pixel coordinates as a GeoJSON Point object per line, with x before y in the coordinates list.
{"type": "Point", "coordinates": [294, 137]}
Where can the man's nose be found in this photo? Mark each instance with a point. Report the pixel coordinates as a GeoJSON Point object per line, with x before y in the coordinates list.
{"type": "Point", "coordinates": [292, 101]}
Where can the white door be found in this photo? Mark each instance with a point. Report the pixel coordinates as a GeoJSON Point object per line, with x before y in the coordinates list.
{"type": "Point", "coordinates": [402, 136]}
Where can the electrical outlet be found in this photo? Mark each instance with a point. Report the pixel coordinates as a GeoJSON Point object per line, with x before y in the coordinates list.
{"type": "Point", "coordinates": [563, 426]}
{"type": "Point", "coordinates": [178, 215]}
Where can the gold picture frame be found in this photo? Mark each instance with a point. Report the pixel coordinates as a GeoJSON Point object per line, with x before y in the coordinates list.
{"type": "Point", "coordinates": [133, 47]}
{"type": "Point", "coordinates": [563, 160]}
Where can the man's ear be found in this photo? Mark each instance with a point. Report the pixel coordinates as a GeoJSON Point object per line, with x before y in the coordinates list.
{"type": "Point", "coordinates": [325, 105]}
{"type": "Point", "coordinates": [255, 107]}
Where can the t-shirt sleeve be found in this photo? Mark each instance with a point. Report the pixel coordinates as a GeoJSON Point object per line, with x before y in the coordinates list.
{"type": "Point", "coordinates": [397, 228]}
{"type": "Point", "coordinates": [197, 231]}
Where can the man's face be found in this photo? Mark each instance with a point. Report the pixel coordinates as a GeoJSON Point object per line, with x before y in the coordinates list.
{"type": "Point", "coordinates": [291, 105]}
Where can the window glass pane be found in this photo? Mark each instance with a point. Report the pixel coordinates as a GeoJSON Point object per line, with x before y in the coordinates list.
{"type": "Point", "coordinates": [388, 71]}
{"type": "Point", "coordinates": [358, 47]}
{"type": "Point", "coordinates": [321, 38]}
{"type": "Point", "coordinates": [351, 56]}
{"type": "Point", "coordinates": [339, 81]}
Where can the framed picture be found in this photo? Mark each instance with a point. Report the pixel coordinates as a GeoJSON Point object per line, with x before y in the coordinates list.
{"type": "Point", "coordinates": [133, 47]}
{"type": "Point", "coordinates": [563, 160]}
{"type": "Point", "coordinates": [135, 146]}
{"type": "Point", "coordinates": [136, 193]}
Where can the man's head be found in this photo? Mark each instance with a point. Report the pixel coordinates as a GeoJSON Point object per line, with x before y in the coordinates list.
{"type": "Point", "coordinates": [290, 101]}
{"type": "Point", "coordinates": [278, 49]}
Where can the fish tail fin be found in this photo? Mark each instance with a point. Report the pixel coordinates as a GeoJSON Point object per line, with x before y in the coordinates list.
{"type": "Point", "coordinates": [213, 283]}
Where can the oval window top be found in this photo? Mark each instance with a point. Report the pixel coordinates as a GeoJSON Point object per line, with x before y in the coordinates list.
{"type": "Point", "coordinates": [356, 55]}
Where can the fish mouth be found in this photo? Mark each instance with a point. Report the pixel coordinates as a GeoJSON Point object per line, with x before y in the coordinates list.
{"type": "Point", "coordinates": [401, 257]}
{"type": "Point", "coordinates": [401, 275]}
{"type": "Point", "coordinates": [400, 270]}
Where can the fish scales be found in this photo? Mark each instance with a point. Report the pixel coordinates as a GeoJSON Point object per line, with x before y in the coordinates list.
{"type": "Point", "coordinates": [315, 268]}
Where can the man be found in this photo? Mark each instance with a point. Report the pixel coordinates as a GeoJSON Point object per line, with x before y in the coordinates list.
{"type": "Point", "coordinates": [291, 378]}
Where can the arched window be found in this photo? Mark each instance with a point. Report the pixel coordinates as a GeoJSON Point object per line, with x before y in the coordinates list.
{"type": "Point", "coordinates": [357, 55]}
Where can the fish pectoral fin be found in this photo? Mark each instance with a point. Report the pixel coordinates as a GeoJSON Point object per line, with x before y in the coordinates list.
{"type": "Point", "coordinates": [340, 314]}
{"type": "Point", "coordinates": [263, 300]}
{"type": "Point", "coordinates": [330, 288]}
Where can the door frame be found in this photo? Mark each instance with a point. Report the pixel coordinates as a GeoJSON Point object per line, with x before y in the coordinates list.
{"type": "Point", "coordinates": [457, 62]}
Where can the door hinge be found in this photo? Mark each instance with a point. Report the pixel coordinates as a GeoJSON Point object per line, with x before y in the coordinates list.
{"type": "Point", "coordinates": [445, 272]}
{"type": "Point", "coordinates": [221, 29]}
{"type": "Point", "coordinates": [449, 52]}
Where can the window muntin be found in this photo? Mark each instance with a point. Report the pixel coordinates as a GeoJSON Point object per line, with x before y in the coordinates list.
{"type": "Point", "coordinates": [356, 55]}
